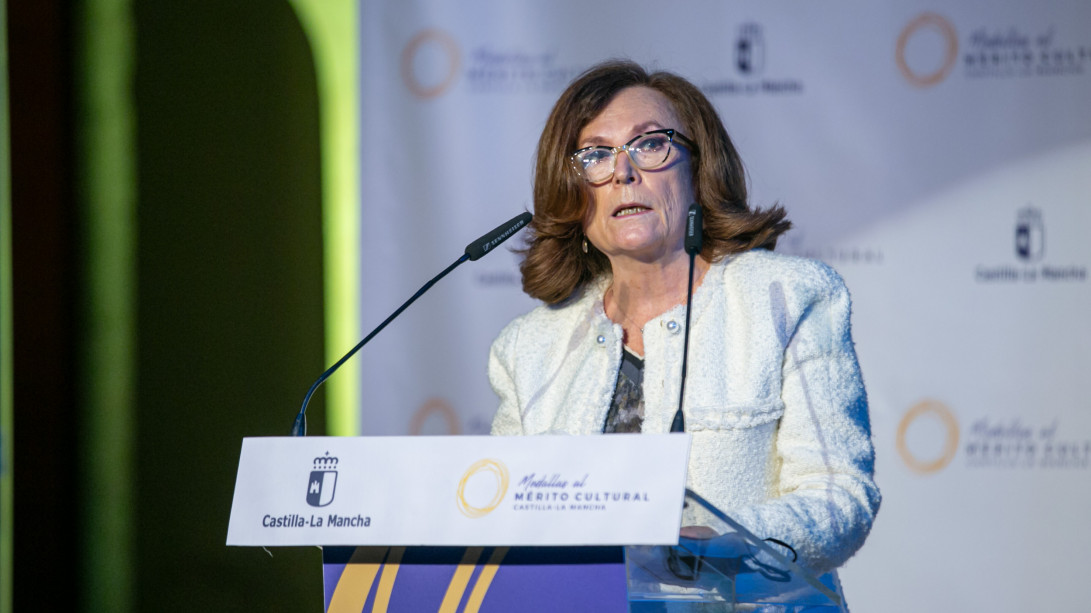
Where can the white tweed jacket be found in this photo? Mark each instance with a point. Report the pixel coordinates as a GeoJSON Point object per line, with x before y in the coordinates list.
{"type": "Point", "coordinates": [774, 398]}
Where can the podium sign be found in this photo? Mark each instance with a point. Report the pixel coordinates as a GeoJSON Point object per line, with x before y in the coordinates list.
{"type": "Point", "coordinates": [460, 490]}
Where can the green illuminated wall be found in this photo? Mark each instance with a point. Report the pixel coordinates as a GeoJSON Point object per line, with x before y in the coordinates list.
{"type": "Point", "coordinates": [190, 274]}
{"type": "Point", "coordinates": [332, 29]}
{"type": "Point", "coordinates": [229, 297]}
{"type": "Point", "coordinates": [5, 328]}
{"type": "Point", "coordinates": [106, 180]}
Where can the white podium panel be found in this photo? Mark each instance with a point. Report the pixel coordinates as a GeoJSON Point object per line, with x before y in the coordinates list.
{"type": "Point", "coordinates": [460, 490]}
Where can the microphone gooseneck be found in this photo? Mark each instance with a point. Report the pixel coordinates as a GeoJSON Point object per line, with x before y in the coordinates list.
{"type": "Point", "coordinates": [474, 251]}
{"type": "Point", "coordinates": [694, 231]}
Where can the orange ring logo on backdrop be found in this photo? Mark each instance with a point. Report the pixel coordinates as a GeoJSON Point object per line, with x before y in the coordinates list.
{"type": "Point", "coordinates": [500, 472]}
{"type": "Point", "coordinates": [950, 38]}
{"type": "Point", "coordinates": [409, 56]}
{"type": "Point", "coordinates": [435, 406]}
{"type": "Point", "coordinates": [950, 445]}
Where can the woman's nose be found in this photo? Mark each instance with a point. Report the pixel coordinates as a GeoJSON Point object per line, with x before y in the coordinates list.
{"type": "Point", "coordinates": [624, 169]}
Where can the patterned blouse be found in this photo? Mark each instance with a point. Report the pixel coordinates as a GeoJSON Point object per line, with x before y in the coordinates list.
{"type": "Point", "coordinates": [626, 413]}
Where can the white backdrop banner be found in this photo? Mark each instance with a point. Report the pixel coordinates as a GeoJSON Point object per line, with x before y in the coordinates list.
{"type": "Point", "coordinates": [937, 154]}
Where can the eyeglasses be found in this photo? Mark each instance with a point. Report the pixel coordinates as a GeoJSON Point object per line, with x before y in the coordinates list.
{"type": "Point", "coordinates": [648, 151]}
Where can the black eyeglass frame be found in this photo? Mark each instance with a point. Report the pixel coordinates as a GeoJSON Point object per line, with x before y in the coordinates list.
{"type": "Point", "coordinates": [671, 133]}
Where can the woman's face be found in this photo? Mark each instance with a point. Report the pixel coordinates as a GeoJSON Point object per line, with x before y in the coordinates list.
{"type": "Point", "coordinates": [638, 214]}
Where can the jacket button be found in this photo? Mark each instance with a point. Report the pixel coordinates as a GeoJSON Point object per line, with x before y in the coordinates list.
{"type": "Point", "coordinates": [672, 326]}
{"type": "Point", "coordinates": [601, 339]}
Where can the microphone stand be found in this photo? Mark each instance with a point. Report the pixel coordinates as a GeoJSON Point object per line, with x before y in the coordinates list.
{"type": "Point", "coordinates": [474, 251]}
{"type": "Point", "coordinates": [693, 247]}
{"type": "Point", "coordinates": [299, 428]}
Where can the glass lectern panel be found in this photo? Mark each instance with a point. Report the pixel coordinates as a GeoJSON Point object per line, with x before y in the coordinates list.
{"type": "Point", "coordinates": [724, 567]}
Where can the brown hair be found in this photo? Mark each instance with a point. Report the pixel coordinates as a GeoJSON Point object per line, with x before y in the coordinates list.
{"type": "Point", "coordinates": [554, 264]}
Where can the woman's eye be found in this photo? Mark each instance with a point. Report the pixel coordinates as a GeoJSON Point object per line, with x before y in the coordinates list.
{"type": "Point", "coordinates": [595, 156]}
{"type": "Point", "coordinates": [652, 143]}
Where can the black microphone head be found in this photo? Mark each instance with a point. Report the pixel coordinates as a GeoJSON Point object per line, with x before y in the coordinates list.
{"type": "Point", "coordinates": [694, 229]}
{"type": "Point", "coordinates": [503, 232]}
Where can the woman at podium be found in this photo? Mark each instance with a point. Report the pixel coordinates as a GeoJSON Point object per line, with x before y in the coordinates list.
{"type": "Point", "coordinates": [773, 399]}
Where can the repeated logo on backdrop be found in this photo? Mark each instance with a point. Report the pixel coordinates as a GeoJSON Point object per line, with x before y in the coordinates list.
{"type": "Point", "coordinates": [795, 243]}
{"type": "Point", "coordinates": [939, 425]}
{"type": "Point", "coordinates": [435, 410]}
{"type": "Point", "coordinates": [438, 417]}
{"type": "Point", "coordinates": [1012, 443]}
{"type": "Point", "coordinates": [430, 63]}
{"type": "Point", "coordinates": [1013, 51]}
{"type": "Point", "coordinates": [750, 49]}
{"type": "Point", "coordinates": [929, 50]}
{"type": "Point", "coordinates": [1030, 239]}
{"type": "Point", "coordinates": [748, 62]}
{"type": "Point", "coordinates": [798, 242]}
{"type": "Point", "coordinates": [433, 63]}
{"type": "Point", "coordinates": [1030, 263]}
{"type": "Point", "coordinates": [929, 438]}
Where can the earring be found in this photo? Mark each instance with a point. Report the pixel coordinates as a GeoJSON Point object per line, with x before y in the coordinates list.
{"type": "Point", "coordinates": [585, 245]}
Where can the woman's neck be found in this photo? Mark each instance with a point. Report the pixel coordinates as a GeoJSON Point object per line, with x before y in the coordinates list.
{"type": "Point", "coordinates": [641, 291]}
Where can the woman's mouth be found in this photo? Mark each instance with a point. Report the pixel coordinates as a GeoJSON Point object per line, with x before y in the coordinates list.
{"type": "Point", "coordinates": [630, 209]}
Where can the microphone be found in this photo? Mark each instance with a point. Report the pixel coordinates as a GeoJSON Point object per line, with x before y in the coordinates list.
{"type": "Point", "coordinates": [694, 231]}
{"type": "Point", "coordinates": [694, 223]}
{"type": "Point", "coordinates": [477, 249]}
{"type": "Point", "coordinates": [474, 251]}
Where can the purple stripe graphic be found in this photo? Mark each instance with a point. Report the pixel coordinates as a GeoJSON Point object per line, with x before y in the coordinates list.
{"type": "Point", "coordinates": [530, 579]}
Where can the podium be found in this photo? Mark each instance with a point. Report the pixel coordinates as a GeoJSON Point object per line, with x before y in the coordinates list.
{"type": "Point", "coordinates": [733, 572]}
{"type": "Point", "coordinates": [497, 524]}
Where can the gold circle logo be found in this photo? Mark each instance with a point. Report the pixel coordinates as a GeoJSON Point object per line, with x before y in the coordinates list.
{"type": "Point", "coordinates": [430, 38]}
{"type": "Point", "coordinates": [950, 37]}
{"type": "Point", "coordinates": [499, 472]}
{"type": "Point", "coordinates": [439, 407]}
{"type": "Point", "coordinates": [950, 444]}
